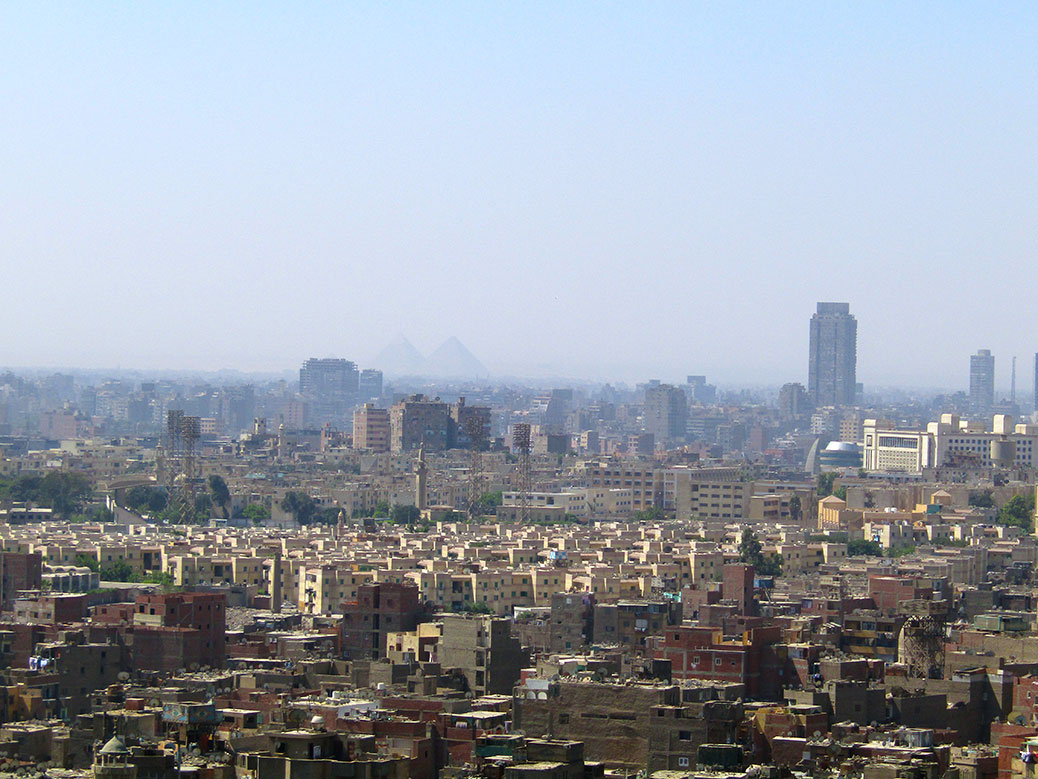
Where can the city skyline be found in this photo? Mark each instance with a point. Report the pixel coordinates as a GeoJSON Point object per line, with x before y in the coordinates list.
{"type": "Point", "coordinates": [518, 391]}
{"type": "Point", "coordinates": [1001, 386]}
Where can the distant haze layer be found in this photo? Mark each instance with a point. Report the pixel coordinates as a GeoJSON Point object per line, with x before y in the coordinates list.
{"type": "Point", "coordinates": [613, 190]}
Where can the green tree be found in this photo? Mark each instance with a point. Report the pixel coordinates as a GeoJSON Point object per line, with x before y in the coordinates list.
{"type": "Point", "coordinates": [257, 512]}
{"type": "Point", "coordinates": [981, 499]}
{"type": "Point", "coordinates": [300, 505]}
{"type": "Point", "coordinates": [219, 493]}
{"type": "Point", "coordinates": [751, 552]}
{"type": "Point", "coordinates": [770, 565]}
{"type": "Point", "coordinates": [749, 547]}
{"type": "Point", "coordinates": [489, 502]}
{"type": "Point", "coordinates": [328, 516]}
{"type": "Point", "coordinates": [840, 492]}
{"type": "Point", "coordinates": [26, 489]}
{"type": "Point", "coordinates": [405, 515]}
{"type": "Point", "coordinates": [1018, 511]}
{"type": "Point", "coordinates": [158, 577]}
{"type": "Point", "coordinates": [860, 547]}
{"type": "Point", "coordinates": [954, 542]}
{"type": "Point", "coordinates": [96, 513]}
{"type": "Point", "coordinates": [203, 507]}
{"type": "Point", "coordinates": [64, 491]}
{"type": "Point", "coordinates": [87, 560]}
{"type": "Point", "coordinates": [651, 514]}
{"type": "Point", "coordinates": [825, 484]}
{"type": "Point", "coordinates": [477, 608]}
{"type": "Point", "coordinates": [119, 571]}
{"type": "Point", "coordinates": [796, 510]}
{"type": "Point", "coordinates": [900, 550]}
{"type": "Point", "coordinates": [145, 500]}
{"type": "Point", "coordinates": [382, 509]}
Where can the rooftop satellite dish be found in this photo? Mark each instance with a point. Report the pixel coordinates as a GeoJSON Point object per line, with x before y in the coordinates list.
{"type": "Point", "coordinates": [122, 676]}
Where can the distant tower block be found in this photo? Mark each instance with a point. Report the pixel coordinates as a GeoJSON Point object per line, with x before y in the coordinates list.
{"type": "Point", "coordinates": [982, 381]}
{"type": "Point", "coordinates": [833, 356]}
{"type": "Point", "coordinates": [476, 432]}
{"type": "Point", "coordinates": [521, 441]}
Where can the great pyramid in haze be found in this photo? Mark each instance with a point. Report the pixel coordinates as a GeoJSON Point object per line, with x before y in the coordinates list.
{"type": "Point", "coordinates": [454, 361]}
{"type": "Point", "coordinates": [399, 358]}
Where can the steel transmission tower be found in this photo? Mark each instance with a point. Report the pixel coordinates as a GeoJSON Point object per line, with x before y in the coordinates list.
{"type": "Point", "coordinates": [521, 442]}
{"type": "Point", "coordinates": [179, 463]}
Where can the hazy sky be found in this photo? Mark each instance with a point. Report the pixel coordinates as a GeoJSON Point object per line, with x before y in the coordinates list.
{"type": "Point", "coordinates": [616, 190]}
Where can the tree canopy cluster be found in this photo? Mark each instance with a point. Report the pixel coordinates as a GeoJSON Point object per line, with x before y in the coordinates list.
{"type": "Point", "coordinates": [64, 491]}
{"type": "Point", "coordinates": [1018, 511]}
{"type": "Point", "coordinates": [750, 551]}
{"type": "Point", "coordinates": [120, 571]}
{"type": "Point", "coordinates": [154, 501]}
{"type": "Point", "coordinates": [858, 547]}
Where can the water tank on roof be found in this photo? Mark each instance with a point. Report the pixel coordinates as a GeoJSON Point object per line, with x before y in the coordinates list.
{"type": "Point", "coordinates": [1003, 453]}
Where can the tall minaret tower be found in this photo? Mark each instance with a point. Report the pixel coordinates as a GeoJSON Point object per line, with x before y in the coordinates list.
{"type": "Point", "coordinates": [421, 473]}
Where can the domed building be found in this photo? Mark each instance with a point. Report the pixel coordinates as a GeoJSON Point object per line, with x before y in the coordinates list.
{"type": "Point", "coordinates": [840, 454]}
{"type": "Point", "coordinates": [112, 761]}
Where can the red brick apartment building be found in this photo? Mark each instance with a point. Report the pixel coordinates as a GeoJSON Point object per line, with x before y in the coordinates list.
{"type": "Point", "coordinates": [180, 630]}
{"type": "Point", "coordinates": [750, 660]}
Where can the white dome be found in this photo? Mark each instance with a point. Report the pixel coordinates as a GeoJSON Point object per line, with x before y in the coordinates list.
{"type": "Point", "coordinates": [841, 446]}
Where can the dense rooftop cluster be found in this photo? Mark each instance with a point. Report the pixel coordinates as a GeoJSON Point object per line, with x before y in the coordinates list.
{"type": "Point", "coordinates": [438, 602]}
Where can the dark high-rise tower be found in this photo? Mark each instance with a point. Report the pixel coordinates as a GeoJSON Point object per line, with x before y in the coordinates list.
{"type": "Point", "coordinates": [666, 413]}
{"type": "Point", "coordinates": [328, 378]}
{"type": "Point", "coordinates": [982, 381]}
{"type": "Point", "coordinates": [834, 355]}
{"type": "Point", "coordinates": [369, 385]}
{"type": "Point", "coordinates": [330, 386]}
